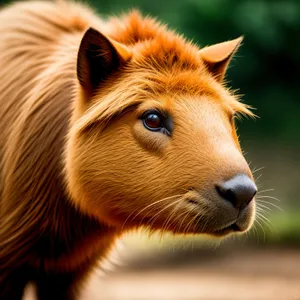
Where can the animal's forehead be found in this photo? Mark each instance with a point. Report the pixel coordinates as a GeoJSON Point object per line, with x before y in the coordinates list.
{"type": "Point", "coordinates": [163, 60]}
{"type": "Point", "coordinates": [199, 105]}
{"type": "Point", "coordinates": [166, 52]}
{"type": "Point", "coordinates": [189, 93]}
{"type": "Point", "coordinates": [154, 44]}
{"type": "Point", "coordinates": [172, 84]}
{"type": "Point", "coordinates": [189, 84]}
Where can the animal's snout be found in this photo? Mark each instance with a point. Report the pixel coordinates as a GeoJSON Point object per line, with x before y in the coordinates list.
{"type": "Point", "coordinates": [238, 190]}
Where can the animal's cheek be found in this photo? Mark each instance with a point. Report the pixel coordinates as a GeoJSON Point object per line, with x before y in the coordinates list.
{"type": "Point", "coordinates": [155, 142]}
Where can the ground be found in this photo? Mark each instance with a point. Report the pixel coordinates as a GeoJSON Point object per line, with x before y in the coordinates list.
{"type": "Point", "coordinates": [242, 274]}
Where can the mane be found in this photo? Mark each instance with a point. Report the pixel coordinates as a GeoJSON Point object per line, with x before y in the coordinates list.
{"type": "Point", "coordinates": [154, 42]}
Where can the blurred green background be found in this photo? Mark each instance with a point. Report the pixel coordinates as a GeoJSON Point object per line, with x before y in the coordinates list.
{"type": "Point", "coordinates": [266, 71]}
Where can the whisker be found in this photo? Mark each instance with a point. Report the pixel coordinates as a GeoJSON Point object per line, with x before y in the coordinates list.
{"type": "Point", "coordinates": [255, 233]}
{"type": "Point", "coordinates": [264, 191]}
{"type": "Point", "coordinates": [257, 170]}
{"type": "Point", "coordinates": [262, 211]}
{"type": "Point", "coordinates": [269, 197]}
{"type": "Point", "coordinates": [153, 218]}
{"type": "Point", "coordinates": [257, 179]}
{"type": "Point", "coordinates": [188, 225]}
{"type": "Point", "coordinates": [200, 216]}
{"type": "Point", "coordinates": [265, 222]}
{"type": "Point", "coordinates": [163, 208]}
{"type": "Point", "coordinates": [262, 206]}
{"type": "Point", "coordinates": [178, 227]}
{"type": "Point", "coordinates": [186, 215]}
{"type": "Point", "coordinates": [176, 220]}
{"type": "Point", "coordinates": [254, 230]}
{"type": "Point", "coordinates": [192, 222]}
{"type": "Point", "coordinates": [259, 214]}
{"type": "Point", "coordinates": [145, 208]}
{"type": "Point", "coordinates": [258, 201]}
{"type": "Point", "coordinates": [156, 202]}
{"type": "Point", "coordinates": [166, 223]}
{"type": "Point", "coordinates": [262, 228]}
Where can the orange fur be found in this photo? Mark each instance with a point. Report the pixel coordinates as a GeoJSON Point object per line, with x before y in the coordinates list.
{"type": "Point", "coordinates": [77, 166]}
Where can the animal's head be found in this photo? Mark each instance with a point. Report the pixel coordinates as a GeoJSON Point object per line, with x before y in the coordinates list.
{"type": "Point", "coordinates": [153, 139]}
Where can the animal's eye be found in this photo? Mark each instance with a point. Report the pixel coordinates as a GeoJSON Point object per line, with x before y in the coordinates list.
{"type": "Point", "coordinates": [154, 120]}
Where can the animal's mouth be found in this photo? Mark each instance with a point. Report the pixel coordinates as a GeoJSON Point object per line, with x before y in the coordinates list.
{"type": "Point", "coordinates": [226, 230]}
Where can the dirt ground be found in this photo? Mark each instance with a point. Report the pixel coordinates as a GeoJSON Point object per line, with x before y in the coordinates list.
{"type": "Point", "coordinates": [253, 275]}
{"type": "Point", "coordinates": [239, 275]}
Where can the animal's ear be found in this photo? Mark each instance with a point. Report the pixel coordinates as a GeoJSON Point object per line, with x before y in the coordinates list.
{"type": "Point", "coordinates": [218, 56]}
{"type": "Point", "coordinates": [98, 57]}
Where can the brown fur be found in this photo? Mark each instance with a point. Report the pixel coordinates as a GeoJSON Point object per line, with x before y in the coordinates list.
{"type": "Point", "coordinates": [77, 167]}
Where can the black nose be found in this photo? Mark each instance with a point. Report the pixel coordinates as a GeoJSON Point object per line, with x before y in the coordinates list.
{"type": "Point", "coordinates": [238, 190]}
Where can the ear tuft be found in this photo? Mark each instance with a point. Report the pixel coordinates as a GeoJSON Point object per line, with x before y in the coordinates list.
{"type": "Point", "coordinates": [218, 56]}
{"type": "Point", "coordinates": [98, 57]}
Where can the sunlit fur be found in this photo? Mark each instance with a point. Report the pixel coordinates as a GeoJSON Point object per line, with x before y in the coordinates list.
{"type": "Point", "coordinates": [77, 171]}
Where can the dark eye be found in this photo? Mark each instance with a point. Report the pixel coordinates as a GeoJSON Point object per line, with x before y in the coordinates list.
{"type": "Point", "coordinates": [153, 121]}
{"type": "Point", "coordinates": [156, 121]}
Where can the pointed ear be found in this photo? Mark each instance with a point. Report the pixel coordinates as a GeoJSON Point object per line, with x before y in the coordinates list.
{"type": "Point", "coordinates": [218, 56]}
{"type": "Point", "coordinates": [98, 57]}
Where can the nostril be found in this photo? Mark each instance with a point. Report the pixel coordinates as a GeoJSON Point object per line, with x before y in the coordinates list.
{"type": "Point", "coordinates": [227, 194]}
{"type": "Point", "coordinates": [239, 190]}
